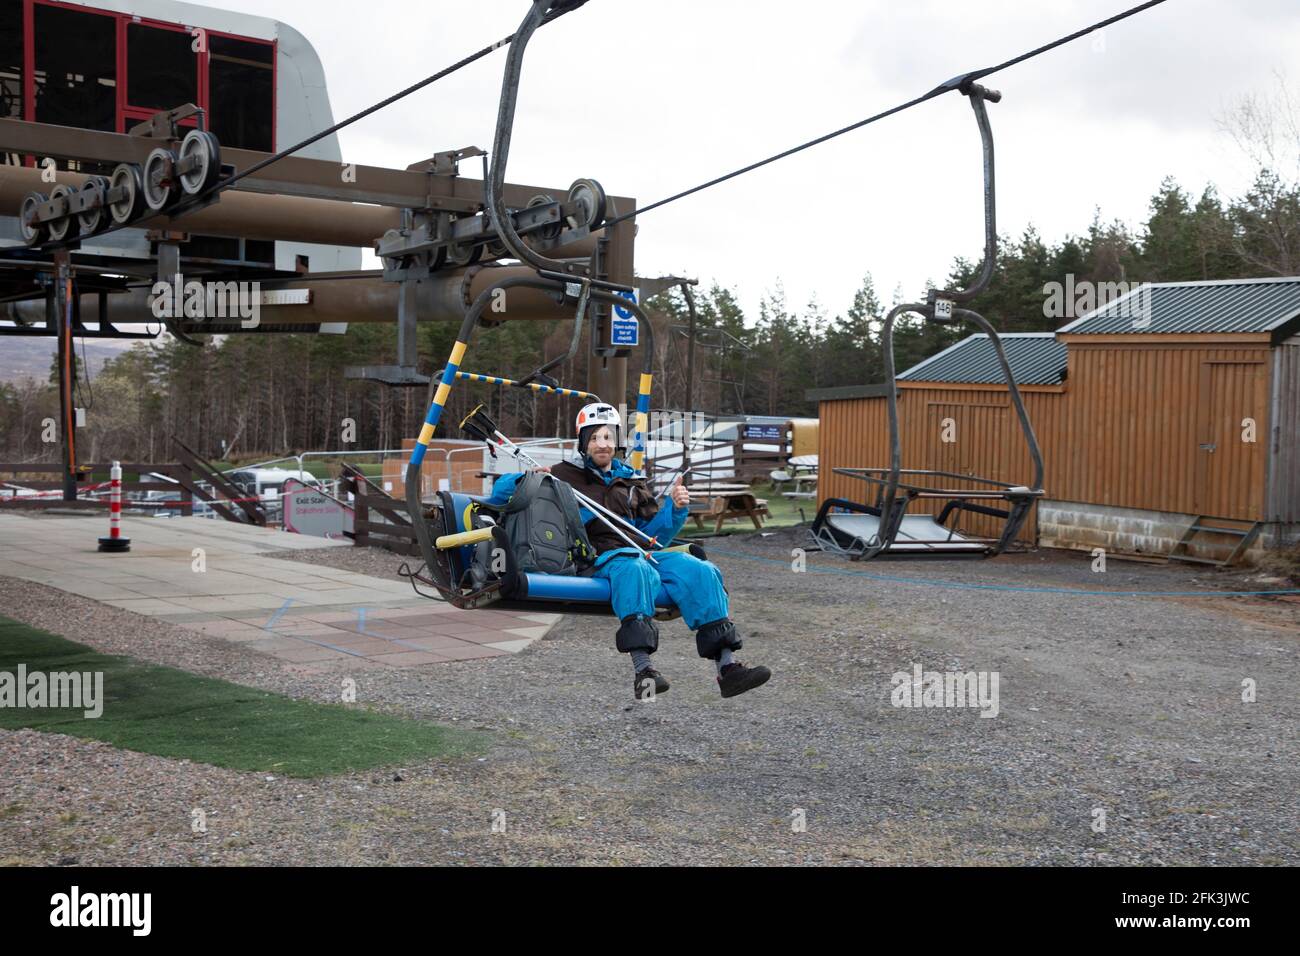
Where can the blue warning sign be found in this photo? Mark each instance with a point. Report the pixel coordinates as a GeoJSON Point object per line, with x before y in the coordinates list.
{"type": "Point", "coordinates": [621, 312]}
{"type": "Point", "coordinates": [623, 332]}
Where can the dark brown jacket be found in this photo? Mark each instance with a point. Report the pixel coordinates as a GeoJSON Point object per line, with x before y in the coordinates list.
{"type": "Point", "coordinates": [629, 498]}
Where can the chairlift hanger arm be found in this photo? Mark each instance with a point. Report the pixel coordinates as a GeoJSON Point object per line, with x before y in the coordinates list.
{"type": "Point", "coordinates": [494, 183]}
{"type": "Point", "coordinates": [539, 374]}
{"type": "Point", "coordinates": [977, 94]}
{"type": "Point", "coordinates": [940, 307]}
{"type": "Point", "coordinates": [1025, 425]}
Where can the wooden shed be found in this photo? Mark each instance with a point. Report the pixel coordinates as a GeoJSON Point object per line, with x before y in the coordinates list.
{"type": "Point", "coordinates": [1169, 412]}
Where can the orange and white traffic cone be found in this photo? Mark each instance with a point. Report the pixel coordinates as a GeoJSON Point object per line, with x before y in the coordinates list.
{"type": "Point", "coordinates": [115, 541]}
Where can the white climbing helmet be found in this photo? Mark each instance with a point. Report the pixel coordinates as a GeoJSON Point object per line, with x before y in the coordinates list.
{"type": "Point", "coordinates": [594, 415]}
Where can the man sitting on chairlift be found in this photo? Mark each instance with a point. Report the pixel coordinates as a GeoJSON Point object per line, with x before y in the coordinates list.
{"type": "Point", "coordinates": [694, 585]}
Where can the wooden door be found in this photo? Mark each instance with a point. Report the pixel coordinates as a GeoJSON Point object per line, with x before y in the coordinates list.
{"type": "Point", "coordinates": [1232, 438]}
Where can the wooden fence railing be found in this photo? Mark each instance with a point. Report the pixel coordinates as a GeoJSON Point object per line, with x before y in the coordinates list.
{"type": "Point", "coordinates": [726, 462]}
{"type": "Point", "coordinates": [197, 469]}
{"type": "Point", "coordinates": [395, 533]}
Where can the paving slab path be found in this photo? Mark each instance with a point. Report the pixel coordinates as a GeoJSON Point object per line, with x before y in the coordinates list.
{"type": "Point", "coordinates": [224, 579]}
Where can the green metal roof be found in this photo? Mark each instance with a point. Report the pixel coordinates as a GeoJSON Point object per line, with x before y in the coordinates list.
{"type": "Point", "coordinates": [1036, 358]}
{"type": "Point", "coordinates": [1218, 306]}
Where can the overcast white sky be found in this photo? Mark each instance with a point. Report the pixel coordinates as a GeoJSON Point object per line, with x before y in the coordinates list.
{"type": "Point", "coordinates": [652, 97]}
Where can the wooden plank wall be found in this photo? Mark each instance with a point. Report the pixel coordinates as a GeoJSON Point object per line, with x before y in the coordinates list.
{"type": "Point", "coordinates": [1125, 431]}
{"type": "Point", "coordinates": [1139, 414]}
{"type": "Point", "coordinates": [855, 434]}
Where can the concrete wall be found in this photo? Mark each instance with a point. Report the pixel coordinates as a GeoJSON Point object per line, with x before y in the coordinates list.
{"type": "Point", "coordinates": [1071, 524]}
{"type": "Point", "coordinates": [1082, 527]}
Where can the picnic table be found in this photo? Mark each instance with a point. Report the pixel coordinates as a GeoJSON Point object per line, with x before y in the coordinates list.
{"type": "Point", "coordinates": [802, 471]}
{"type": "Point", "coordinates": [723, 501]}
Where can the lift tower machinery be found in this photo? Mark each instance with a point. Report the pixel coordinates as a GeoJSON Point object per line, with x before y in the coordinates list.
{"type": "Point", "coordinates": [107, 188]}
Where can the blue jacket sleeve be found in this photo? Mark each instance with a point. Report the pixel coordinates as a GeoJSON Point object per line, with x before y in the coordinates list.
{"type": "Point", "coordinates": [667, 523]}
{"type": "Point", "coordinates": [503, 489]}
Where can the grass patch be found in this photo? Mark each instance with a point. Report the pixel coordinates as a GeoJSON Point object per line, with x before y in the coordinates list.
{"type": "Point", "coordinates": [172, 713]}
{"type": "Point", "coordinates": [333, 467]}
{"type": "Point", "coordinates": [371, 469]}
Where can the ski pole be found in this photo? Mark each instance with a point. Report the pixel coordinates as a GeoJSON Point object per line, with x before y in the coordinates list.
{"type": "Point", "coordinates": [507, 444]}
{"type": "Point", "coordinates": [480, 426]}
{"type": "Point", "coordinates": [602, 514]}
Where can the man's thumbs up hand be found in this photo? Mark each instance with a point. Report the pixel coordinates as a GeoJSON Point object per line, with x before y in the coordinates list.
{"type": "Point", "coordinates": [681, 497]}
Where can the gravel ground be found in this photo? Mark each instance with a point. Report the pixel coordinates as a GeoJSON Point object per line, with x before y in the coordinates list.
{"type": "Point", "coordinates": [1128, 705]}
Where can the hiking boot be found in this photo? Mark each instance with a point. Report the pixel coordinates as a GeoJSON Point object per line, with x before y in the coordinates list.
{"type": "Point", "coordinates": [736, 678]}
{"type": "Point", "coordinates": [641, 684]}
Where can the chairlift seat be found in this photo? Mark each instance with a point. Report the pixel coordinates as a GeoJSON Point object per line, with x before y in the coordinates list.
{"type": "Point", "coordinates": [854, 529]}
{"type": "Point", "coordinates": [917, 534]}
{"type": "Point", "coordinates": [455, 512]}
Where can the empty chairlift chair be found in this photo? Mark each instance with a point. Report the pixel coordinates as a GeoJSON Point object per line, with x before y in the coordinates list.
{"type": "Point", "coordinates": [884, 528]}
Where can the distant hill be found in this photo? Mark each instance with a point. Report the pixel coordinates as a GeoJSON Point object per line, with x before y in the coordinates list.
{"type": "Point", "coordinates": [29, 356]}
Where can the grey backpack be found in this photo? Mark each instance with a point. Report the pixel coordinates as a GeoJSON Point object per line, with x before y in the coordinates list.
{"type": "Point", "coordinates": [545, 528]}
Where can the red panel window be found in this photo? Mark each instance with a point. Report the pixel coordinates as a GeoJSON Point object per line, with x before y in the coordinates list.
{"type": "Point", "coordinates": [97, 69]}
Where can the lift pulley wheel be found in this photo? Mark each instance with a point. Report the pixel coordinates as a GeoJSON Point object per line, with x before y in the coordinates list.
{"type": "Point", "coordinates": [33, 232]}
{"type": "Point", "coordinates": [159, 179]}
{"type": "Point", "coordinates": [94, 217]}
{"type": "Point", "coordinates": [64, 227]}
{"type": "Point", "coordinates": [464, 254]}
{"type": "Point", "coordinates": [552, 230]}
{"type": "Point", "coordinates": [390, 262]}
{"type": "Point", "coordinates": [131, 204]}
{"type": "Point", "coordinates": [589, 195]}
{"type": "Point", "coordinates": [203, 149]}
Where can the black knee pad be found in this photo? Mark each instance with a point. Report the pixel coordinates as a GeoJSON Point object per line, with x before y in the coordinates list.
{"type": "Point", "coordinates": [711, 639]}
{"type": "Point", "coordinates": [638, 633]}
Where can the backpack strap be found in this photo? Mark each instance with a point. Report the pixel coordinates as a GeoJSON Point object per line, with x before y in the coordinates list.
{"type": "Point", "coordinates": [509, 577]}
{"type": "Point", "coordinates": [525, 491]}
{"type": "Point", "coordinates": [582, 550]}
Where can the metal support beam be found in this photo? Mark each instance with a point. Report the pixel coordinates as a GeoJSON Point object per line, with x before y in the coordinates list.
{"type": "Point", "coordinates": [419, 188]}
{"type": "Point", "coordinates": [313, 202]}
{"type": "Point", "coordinates": [404, 373]}
{"type": "Point", "coordinates": [607, 371]}
{"type": "Point", "coordinates": [406, 316]}
{"type": "Point", "coordinates": [59, 315]}
{"type": "Point", "coordinates": [690, 345]}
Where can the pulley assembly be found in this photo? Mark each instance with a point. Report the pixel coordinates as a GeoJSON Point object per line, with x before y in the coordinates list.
{"type": "Point", "coordinates": [167, 178]}
{"type": "Point", "coordinates": [432, 239]}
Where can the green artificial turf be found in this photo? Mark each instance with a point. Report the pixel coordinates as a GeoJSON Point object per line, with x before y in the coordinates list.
{"type": "Point", "coordinates": [172, 713]}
